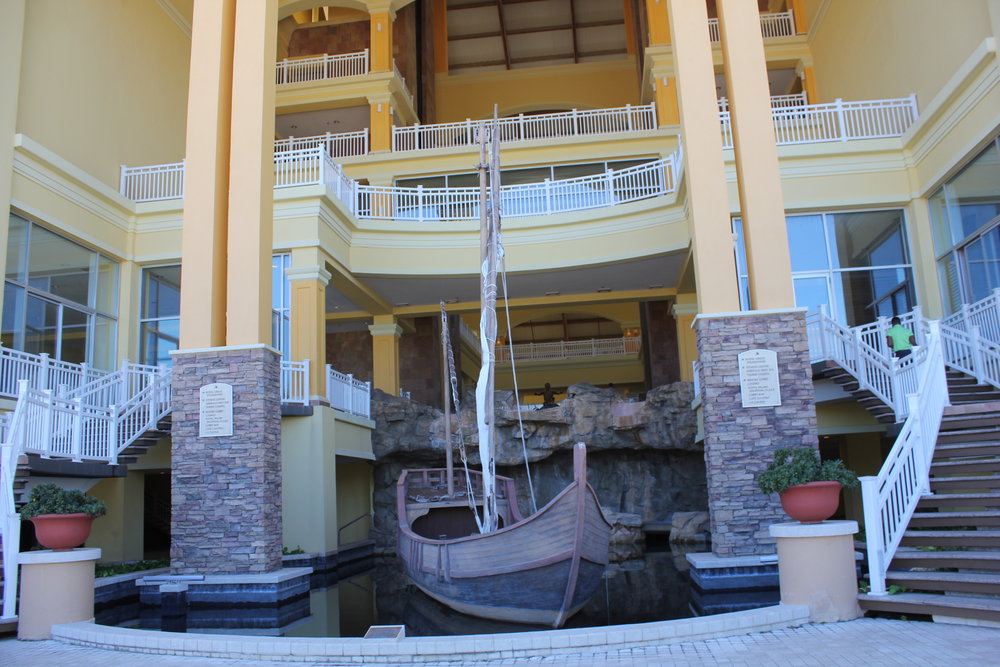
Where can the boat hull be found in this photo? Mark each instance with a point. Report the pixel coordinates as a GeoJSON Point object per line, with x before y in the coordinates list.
{"type": "Point", "coordinates": [539, 570]}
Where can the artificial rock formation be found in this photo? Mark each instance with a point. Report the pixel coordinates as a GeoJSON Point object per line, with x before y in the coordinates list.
{"type": "Point", "coordinates": [642, 457]}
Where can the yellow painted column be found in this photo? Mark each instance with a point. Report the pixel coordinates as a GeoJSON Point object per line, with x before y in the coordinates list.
{"type": "Point", "coordinates": [308, 286]}
{"type": "Point", "coordinates": [206, 186]}
{"type": "Point", "coordinates": [381, 41]}
{"type": "Point", "coordinates": [714, 263]}
{"type": "Point", "coordinates": [758, 176]}
{"type": "Point", "coordinates": [11, 39]}
{"type": "Point", "coordinates": [380, 123]}
{"type": "Point", "coordinates": [808, 76]}
{"type": "Point", "coordinates": [385, 353]}
{"type": "Point", "coordinates": [658, 20]}
{"type": "Point", "coordinates": [798, 8]}
{"type": "Point", "coordinates": [687, 349]}
{"type": "Point", "coordinates": [251, 176]}
{"type": "Point", "coordinates": [928, 283]}
{"type": "Point", "coordinates": [665, 96]}
{"type": "Point", "coordinates": [630, 41]}
{"type": "Point", "coordinates": [129, 305]}
{"type": "Point", "coordinates": [441, 36]}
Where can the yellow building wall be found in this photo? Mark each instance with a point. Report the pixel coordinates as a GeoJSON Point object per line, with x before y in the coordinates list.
{"type": "Point", "coordinates": [866, 50]}
{"type": "Point", "coordinates": [119, 533]}
{"type": "Point", "coordinates": [104, 83]}
{"type": "Point", "coordinates": [354, 500]}
{"type": "Point", "coordinates": [558, 87]}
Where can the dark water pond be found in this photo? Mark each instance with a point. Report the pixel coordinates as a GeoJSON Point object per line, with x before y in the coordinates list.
{"type": "Point", "coordinates": [652, 588]}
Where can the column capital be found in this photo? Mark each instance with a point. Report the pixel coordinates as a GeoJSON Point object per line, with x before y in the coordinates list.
{"type": "Point", "coordinates": [385, 330]}
{"type": "Point", "coordinates": [684, 309]}
{"type": "Point", "coordinates": [308, 273]}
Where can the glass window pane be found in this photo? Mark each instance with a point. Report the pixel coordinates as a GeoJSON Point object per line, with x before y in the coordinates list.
{"type": "Point", "coordinates": [162, 291]}
{"type": "Point", "coordinates": [13, 317]}
{"type": "Point", "coordinates": [982, 260]}
{"type": "Point", "coordinates": [157, 339]}
{"type": "Point", "coordinates": [106, 300]}
{"type": "Point", "coordinates": [807, 243]}
{"type": "Point", "coordinates": [73, 336]}
{"type": "Point", "coordinates": [40, 326]}
{"type": "Point", "coordinates": [868, 238]}
{"type": "Point", "coordinates": [976, 190]}
{"type": "Point", "coordinates": [951, 292]}
{"type": "Point", "coordinates": [59, 266]}
{"type": "Point", "coordinates": [811, 293]}
{"type": "Point", "coordinates": [17, 242]}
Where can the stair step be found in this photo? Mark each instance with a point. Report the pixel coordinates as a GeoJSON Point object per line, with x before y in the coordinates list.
{"type": "Point", "coordinates": [952, 538]}
{"type": "Point", "coordinates": [960, 500]}
{"type": "Point", "coordinates": [991, 464]}
{"type": "Point", "coordinates": [962, 560]}
{"type": "Point", "coordinates": [975, 420]}
{"type": "Point", "coordinates": [981, 436]}
{"type": "Point", "coordinates": [960, 606]}
{"type": "Point", "coordinates": [946, 519]}
{"type": "Point", "coordinates": [967, 482]}
{"type": "Point", "coordinates": [960, 582]}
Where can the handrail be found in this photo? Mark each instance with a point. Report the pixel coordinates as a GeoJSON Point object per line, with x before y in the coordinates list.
{"type": "Point", "coordinates": [318, 68]}
{"type": "Point", "coordinates": [890, 498]}
{"type": "Point", "coordinates": [613, 187]}
{"type": "Point", "coordinates": [348, 394]}
{"type": "Point", "coordinates": [337, 145]}
{"type": "Point", "coordinates": [10, 520]}
{"type": "Point", "coordinates": [778, 24]}
{"type": "Point", "coordinates": [294, 382]}
{"type": "Point", "coordinates": [777, 101]}
{"type": "Point", "coordinates": [569, 349]}
{"type": "Point", "coordinates": [351, 523]}
{"type": "Point", "coordinates": [42, 372]}
{"type": "Point", "coordinates": [527, 127]}
{"type": "Point", "coordinates": [836, 121]}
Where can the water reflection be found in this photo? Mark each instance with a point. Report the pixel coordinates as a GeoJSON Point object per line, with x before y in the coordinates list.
{"type": "Point", "coordinates": [654, 587]}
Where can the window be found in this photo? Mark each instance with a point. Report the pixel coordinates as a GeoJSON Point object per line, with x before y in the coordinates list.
{"type": "Point", "coordinates": [855, 264]}
{"type": "Point", "coordinates": [965, 221]}
{"type": "Point", "coordinates": [159, 325]}
{"type": "Point", "coordinates": [281, 305]}
{"type": "Point", "coordinates": [60, 298]}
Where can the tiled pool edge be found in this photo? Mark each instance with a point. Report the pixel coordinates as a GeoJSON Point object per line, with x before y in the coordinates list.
{"type": "Point", "coordinates": [433, 649]}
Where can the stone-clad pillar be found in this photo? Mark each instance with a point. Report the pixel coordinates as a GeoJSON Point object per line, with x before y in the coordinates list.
{"type": "Point", "coordinates": [226, 500]}
{"type": "Point", "coordinates": [740, 441]}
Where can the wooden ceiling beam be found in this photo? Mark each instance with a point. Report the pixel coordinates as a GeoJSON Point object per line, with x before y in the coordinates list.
{"type": "Point", "coordinates": [528, 31]}
{"type": "Point", "coordinates": [503, 33]}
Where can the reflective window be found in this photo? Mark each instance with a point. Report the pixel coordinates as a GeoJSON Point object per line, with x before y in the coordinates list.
{"type": "Point", "coordinates": [281, 305]}
{"type": "Point", "coordinates": [159, 327]}
{"type": "Point", "coordinates": [60, 298]}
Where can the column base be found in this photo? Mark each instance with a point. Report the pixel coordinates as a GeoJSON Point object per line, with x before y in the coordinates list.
{"type": "Point", "coordinates": [56, 587]}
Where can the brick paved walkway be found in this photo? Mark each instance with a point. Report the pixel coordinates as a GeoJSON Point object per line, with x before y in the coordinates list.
{"type": "Point", "coordinates": [874, 642]}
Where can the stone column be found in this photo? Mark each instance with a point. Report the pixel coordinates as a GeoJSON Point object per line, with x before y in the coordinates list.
{"type": "Point", "coordinates": [740, 441]}
{"type": "Point", "coordinates": [226, 501]}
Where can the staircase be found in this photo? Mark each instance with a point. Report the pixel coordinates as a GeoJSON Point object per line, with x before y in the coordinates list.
{"type": "Point", "coordinates": [949, 560]}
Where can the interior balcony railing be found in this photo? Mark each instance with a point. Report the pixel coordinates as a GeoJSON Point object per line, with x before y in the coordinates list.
{"type": "Point", "coordinates": [318, 68]}
{"type": "Point", "coordinates": [337, 145]}
{"type": "Point", "coordinates": [836, 121]}
{"type": "Point", "coordinates": [780, 24]}
{"type": "Point", "coordinates": [569, 349]}
{"type": "Point", "coordinates": [530, 127]}
{"type": "Point", "coordinates": [777, 101]}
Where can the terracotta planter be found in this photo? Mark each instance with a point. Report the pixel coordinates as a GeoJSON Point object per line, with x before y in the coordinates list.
{"type": "Point", "coordinates": [812, 502]}
{"type": "Point", "coordinates": [61, 532]}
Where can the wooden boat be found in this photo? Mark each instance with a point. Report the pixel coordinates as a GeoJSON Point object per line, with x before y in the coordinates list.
{"type": "Point", "coordinates": [538, 570]}
{"type": "Point", "coordinates": [473, 550]}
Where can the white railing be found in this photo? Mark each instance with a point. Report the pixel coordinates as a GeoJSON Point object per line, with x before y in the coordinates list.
{"type": "Point", "coordinates": [890, 498]}
{"type": "Point", "coordinates": [337, 145]}
{"type": "Point", "coordinates": [569, 349]}
{"type": "Point", "coordinates": [348, 394]}
{"type": "Point", "coordinates": [984, 314]}
{"type": "Point", "coordinates": [312, 166]}
{"type": "Point", "coordinates": [294, 382]}
{"type": "Point", "coordinates": [466, 334]}
{"type": "Point", "coordinates": [781, 24]}
{"type": "Point", "coordinates": [527, 127]}
{"type": "Point", "coordinates": [161, 181]}
{"type": "Point", "coordinates": [644, 181]}
{"type": "Point", "coordinates": [837, 121]}
{"type": "Point", "coordinates": [41, 372]}
{"type": "Point", "coordinates": [317, 68]}
{"type": "Point", "coordinates": [777, 101]}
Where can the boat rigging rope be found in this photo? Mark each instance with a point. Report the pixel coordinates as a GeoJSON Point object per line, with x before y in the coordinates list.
{"type": "Point", "coordinates": [453, 381]}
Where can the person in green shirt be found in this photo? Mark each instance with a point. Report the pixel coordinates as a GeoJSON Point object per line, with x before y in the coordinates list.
{"type": "Point", "coordinates": [899, 339]}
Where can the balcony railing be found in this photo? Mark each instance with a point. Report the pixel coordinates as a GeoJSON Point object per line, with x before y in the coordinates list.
{"type": "Point", "coordinates": [348, 394]}
{"type": "Point", "coordinates": [610, 188]}
{"type": "Point", "coordinates": [837, 121]}
{"type": "Point", "coordinates": [569, 349]}
{"type": "Point", "coordinates": [781, 24]}
{"type": "Point", "coordinates": [297, 70]}
{"type": "Point", "coordinates": [527, 128]}
{"type": "Point", "coordinates": [339, 145]}
{"type": "Point", "coordinates": [155, 183]}
{"type": "Point", "coordinates": [777, 101]}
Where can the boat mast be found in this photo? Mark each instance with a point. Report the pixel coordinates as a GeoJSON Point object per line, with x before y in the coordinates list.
{"type": "Point", "coordinates": [487, 325]}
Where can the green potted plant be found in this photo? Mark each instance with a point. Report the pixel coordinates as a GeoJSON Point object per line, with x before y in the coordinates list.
{"type": "Point", "coordinates": [62, 517]}
{"type": "Point", "coordinates": [809, 489]}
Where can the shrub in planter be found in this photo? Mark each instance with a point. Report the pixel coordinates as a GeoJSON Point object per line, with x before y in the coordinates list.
{"type": "Point", "coordinates": [62, 517]}
{"type": "Point", "coordinates": [809, 488]}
